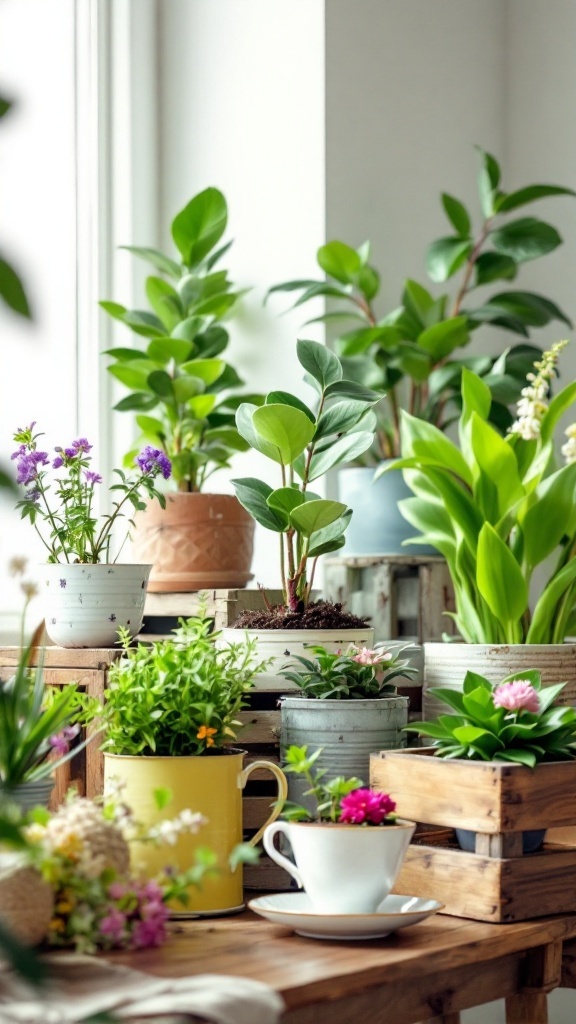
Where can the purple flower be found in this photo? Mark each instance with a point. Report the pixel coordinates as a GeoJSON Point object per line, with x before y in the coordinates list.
{"type": "Point", "coordinates": [153, 461]}
{"type": "Point", "coordinates": [114, 925]}
{"type": "Point", "coordinates": [27, 465]}
{"type": "Point", "coordinates": [517, 695]}
{"type": "Point", "coordinates": [81, 445]}
{"type": "Point", "coordinates": [21, 451]}
{"type": "Point", "coordinates": [60, 742]}
{"type": "Point", "coordinates": [33, 495]}
{"type": "Point", "coordinates": [57, 462]}
{"type": "Point", "coordinates": [364, 805]}
{"type": "Point", "coordinates": [71, 453]}
{"type": "Point", "coordinates": [92, 478]}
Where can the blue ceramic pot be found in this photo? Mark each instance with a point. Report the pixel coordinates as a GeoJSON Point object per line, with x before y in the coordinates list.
{"type": "Point", "coordinates": [377, 526]}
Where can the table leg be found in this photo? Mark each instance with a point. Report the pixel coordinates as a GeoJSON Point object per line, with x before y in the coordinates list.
{"type": "Point", "coordinates": [527, 1008]}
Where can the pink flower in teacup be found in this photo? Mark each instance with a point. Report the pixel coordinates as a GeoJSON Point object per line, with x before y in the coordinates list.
{"type": "Point", "coordinates": [363, 805]}
{"type": "Point", "coordinates": [517, 695]}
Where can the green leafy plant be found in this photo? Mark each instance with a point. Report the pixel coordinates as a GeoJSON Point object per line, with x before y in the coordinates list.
{"type": "Point", "coordinates": [176, 697]}
{"type": "Point", "coordinates": [513, 721]}
{"type": "Point", "coordinates": [408, 352]}
{"type": "Point", "coordinates": [305, 444]}
{"type": "Point", "coordinates": [355, 674]}
{"type": "Point", "coordinates": [497, 508]}
{"type": "Point", "coordinates": [183, 392]}
{"type": "Point", "coordinates": [339, 800]}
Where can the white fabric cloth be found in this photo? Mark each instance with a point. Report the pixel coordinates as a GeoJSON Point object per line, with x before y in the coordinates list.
{"type": "Point", "coordinates": [80, 986]}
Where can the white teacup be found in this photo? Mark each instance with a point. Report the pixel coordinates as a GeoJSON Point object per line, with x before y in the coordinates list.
{"type": "Point", "coordinates": [345, 869]}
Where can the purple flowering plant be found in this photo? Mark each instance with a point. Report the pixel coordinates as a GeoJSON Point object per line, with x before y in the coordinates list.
{"type": "Point", "coordinates": [347, 801]}
{"type": "Point", "coordinates": [62, 510]}
{"type": "Point", "coordinates": [512, 721]}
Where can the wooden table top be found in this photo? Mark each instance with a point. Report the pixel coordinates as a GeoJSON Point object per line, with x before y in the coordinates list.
{"type": "Point", "coordinates": [310, 973]}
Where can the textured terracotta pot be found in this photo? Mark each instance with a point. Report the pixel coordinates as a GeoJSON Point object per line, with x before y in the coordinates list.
{"type": "Point", "coordinates": [198, 541]}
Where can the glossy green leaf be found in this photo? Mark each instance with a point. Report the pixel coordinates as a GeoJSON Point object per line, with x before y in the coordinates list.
{"type": "Point", "coordinates": [314, 515]}
{"type": "Point", "coordinates": [244, 417]}
{"type": "Point", "coordinates": [499, 577]}
{"type": "Point", "coordinates": [441, 340]}
{"type": "Point", "coordinates": [414, 361]}
{"type": "Point", "coordinates": [493, 266]}
{"type": "Point", "coordinates": [139, 400]}
{"type": "Point", "coordinates": [137, 379]}
{"type": "Point", "coordinates": [285, 398]}
{"type": "Point", "coordinates": [287, 429]}
{"type": "Point", "coordinates": [286, 499]}
{"type": "Point", "coordinates": [126, 354]}
{"type": "Point", "coordinates": [339, 260]}
{"type": "Point", "coordinates": [253, 495]}
{"type": "Point", "coordinates": [457, 215]}
{"type": "Point", "coordinates": [339, 418]}
{"type": "Point", "coordinates": [359, 341]}
{"type": "Point", "coordinates": [151, 427]}
{"type": "Point", "coordinates": [496, 461]}
{"type": "Point", "coordinates": [529, 195]}
{"type": "Point", "coordinates": [525, 239]}
{"type": "Point", "coordinates": [211, 342]}
{"type": "Point", "coordinates": [555, 497]}
{"type": "Point", "coordinates": [445, 256]}
{"type": "Point", "coordinates": [202, 405]}
{"type": "Point", "coordinates": [330, 538]}
{"type": "Point", "coordinates": [189, 328]}
{"type": "Point", "coordinates": [531, 308]}
{"type": "Point", "coordinates": [12, 290]}
{"type": "Point", "coordinates": [165, 302]}
{"type": "Point", "coordinates": [208, 370]}
{"type": "Point", "coordinates": [291, 286]}
{"type": "Point", "coordinates": [156, 258]}
{"type": "Point", "coordinates": [368, 282]}
{"type": "Point", "coordinates": [350, 389]}
{"type": "Point", "coordinates": [163, 350]}
{"type": "Point", "coordinates": [345, 449]}
{"type": "Point", "coordinates": [161, 384]}
{"type": "Point", "coordinates": [546, 608]}
{"type": "Point", "coordinates": [319, 362]}
{"type": "Point", "coordinates": [424, 439]}
{"type": "Point", "coordinates": [200, 225]}
{"type": "Point", "coordinates": [556, 409]}
{"type": "Point", "coordinates": [184, 388]}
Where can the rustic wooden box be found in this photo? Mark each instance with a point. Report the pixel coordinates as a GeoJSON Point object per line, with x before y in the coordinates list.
{"type": "Point", "coordinates": [89, 669]}
{"type": "Point", "coordinates": [497, 801]}
{"type": "Point", "coordinates": [402, 595]}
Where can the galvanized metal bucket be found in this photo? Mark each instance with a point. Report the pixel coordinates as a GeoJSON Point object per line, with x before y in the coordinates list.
{"type": "Point", "coordinates": [348, 731]}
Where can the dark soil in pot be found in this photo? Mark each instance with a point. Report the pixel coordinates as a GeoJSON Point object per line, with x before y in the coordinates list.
{"type": "Point", "coordinates": [319, 615]}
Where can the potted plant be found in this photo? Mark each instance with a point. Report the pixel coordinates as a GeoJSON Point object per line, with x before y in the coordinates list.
{"type": "Point", "coordinates": [501, 771]}
{"type": "Point", "coordinates": [413, 352]}
{"type": "Point", "coordinates": [88, 595]}
{"type": "Point", "coordinates": [184, 396]}
{"type": "Point", "coordinates": [170, 723]}
{"type": "Point", "coordinates": [348, 826]}
{"type": "Point", "coordinates": [347, 705]}
{"type": "Point", "coordinates": [498, 509]}
{"type": "Point", "coordinates": [303, 444]}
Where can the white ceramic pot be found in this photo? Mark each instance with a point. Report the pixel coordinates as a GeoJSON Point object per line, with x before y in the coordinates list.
{"type": "Point", "coordinates": [446, 664]}
{"type": "Point", "coordinates": [282, 644]}
{"type": "Point", "coordinates": [345, 869]}
{"type": "Point", "coordinates": [85, 605]}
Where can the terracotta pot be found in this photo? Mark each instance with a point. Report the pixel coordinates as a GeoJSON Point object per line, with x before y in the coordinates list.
{"type": "Point", "coordinates": [198, 541]}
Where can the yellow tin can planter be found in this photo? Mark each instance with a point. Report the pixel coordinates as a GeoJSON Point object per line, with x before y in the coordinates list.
{"type": "Point", "coordinates": [211, 784]}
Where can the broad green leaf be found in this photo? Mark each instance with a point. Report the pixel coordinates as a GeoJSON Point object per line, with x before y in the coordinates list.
{"type": "Point", "coordinates": [165, 301]}
{"type": "Point", "coordinates": [488, 181]}
{"type": "Point", "coordinates": [350, 389]}
{"type": "Point", "coordinates": [315, 515]}
{"type": "Point", "coordinates": [424, 439]}
{"type": "Point", "coordinates": [189, 328]}
{"type": "Point", "coordinates": [253, 495]}
{"type": "Point", "coordinates": [496, 460]}
{"type": "Point", "coordinates": [131, 377]}
{"type": "Point", "coordinates": [156, 258]}
{"type": "Point", "coordinates": [163, 350]}
{"type": "Point", "coordinates": [525, 239]}
{"type": "Point", "coordinates": [200, 225]}
{"type": "Point", "coordinates": [330, 538]}
{"type": "Point", "coordinates": [475, 396]}
{"type": "Point", "coordinates": [12, 289]}
{"type": "Point", "coordinates": [208, 370]}
{"type": "Point", "coordinates": [499, 577]}
{"type": "Point", "coordinates": [125, 355]}
{"type": "Point", "coordinates": [414, 361]}
{"type": "Point", "coordinates": [287, 429]}
{"type": "Point", "coordinates": [534, 310]}
{"type": "Point", "coordinates": [441, 339]}
{"type": "Point", "coordinates": [151, 426]}
{"type": "Point", "coordinates": [161, 384]}
{"type": "Point", "coordinates": [245, 425]}
{"type": "Point", "coordinates": [417, 300]}
{"type": "Point", "coordinates": [285, 499]}
{"type": "Point", "coordinates": [339, 418]}
{"type": "Point", "coordinates": [344, 450]}
{"type": "Point", "coordinates": [445, 256]}
{"type": "Point", "coordinates": [339, 261]}
{"type": "Point", "coordinates": [185, 388]}
{"type": "Point", "coordinates": [211, 342]}
{"type": "Point", "coordinates": [319, 362]}
{"type": "Point", "coordinates": [493, 266]}
{"type": "Point", "coordinates": [368, 282]}
{"type": "Point", "coordinates": [553, 506]}
{"type": "Point", "coordinates": [285, 398]}
{"type": "Point", "coordinates": [356, 342]}
{"type": "Point", "coordinates": [556, 409]}
{"type": "Point", "coordinates": [144, 323]}
{"type": "Point", "coordinates": [546, 609]}
{"type": "Point", "coordinates": [529, 195]}
{"type": "Point", "coordinates": [139, 400]}
{"type": "Point", "coordinates": [290, 286]}
{"type": "Point", "coordinates": [202, 405]}
{"type": "Point", "coordinates": [457, 215]}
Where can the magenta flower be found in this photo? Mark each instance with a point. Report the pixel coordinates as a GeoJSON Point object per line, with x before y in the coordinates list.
{"type": "Point", "coordinates": [364, 805]}
{"type": "Point", "coordinates": [153, 461]}
{"type": "Point", "coordinates": [366, 656]}
{"type": "Point", "coordinates": [116, 890]}
{"type": "Point", "coordinates": [517, 695]}
{"type": "Point", "coordinates": [151, 929]}
{"type": "Point", "coordinates": [114, 925]}
{"type": "Point", "coordinates": [60, 742]}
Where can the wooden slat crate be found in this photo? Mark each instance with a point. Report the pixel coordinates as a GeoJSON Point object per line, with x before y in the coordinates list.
{"type": "Point", "coordinates": [497, 801]}
{"type": "Point", "coordinates": [402, 595]}
{"type": "Point", "coordinates": [222, 605]}
{"type": "Point", "coordinates": [89, 669]}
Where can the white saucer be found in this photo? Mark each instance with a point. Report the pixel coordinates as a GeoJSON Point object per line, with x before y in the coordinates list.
{"type": "Point", "coordinates": [293, 910]}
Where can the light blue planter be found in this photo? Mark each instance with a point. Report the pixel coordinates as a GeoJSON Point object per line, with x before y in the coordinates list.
{"type": "Point", "coordinates": [377, 526]}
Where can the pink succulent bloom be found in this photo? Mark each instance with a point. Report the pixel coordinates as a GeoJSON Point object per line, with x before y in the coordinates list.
{"type": "Point", "coordinates": [364, 805]}
{"type": "Point", "coordinates": [517, 695]}
{"type": "Point", "coordinates": [114, 925]}
{"type": "Point", "coordinates": [371, 657]}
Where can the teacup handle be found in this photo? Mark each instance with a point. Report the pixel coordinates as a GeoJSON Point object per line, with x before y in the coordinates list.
{"type": "Point", "coordinates": [282, 793]}
{"type": "Point", "coordinates": [271, 831]}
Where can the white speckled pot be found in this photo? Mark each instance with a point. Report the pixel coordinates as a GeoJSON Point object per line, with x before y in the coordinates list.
{"type": "Point", "coordinates": [85, 605]}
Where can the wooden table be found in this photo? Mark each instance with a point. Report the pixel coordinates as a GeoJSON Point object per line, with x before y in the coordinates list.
{"type": "Point", "coordinates": [428, 972]}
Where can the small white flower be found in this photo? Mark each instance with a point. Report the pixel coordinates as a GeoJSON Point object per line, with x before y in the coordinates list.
{"type": "Point", "coordinates": [191, 821]}
{"type": "Point", "coordinates": [569, 447]}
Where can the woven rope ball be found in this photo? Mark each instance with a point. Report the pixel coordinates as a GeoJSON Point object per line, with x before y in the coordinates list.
{"type": "Point", "coordinates": [26, 901]}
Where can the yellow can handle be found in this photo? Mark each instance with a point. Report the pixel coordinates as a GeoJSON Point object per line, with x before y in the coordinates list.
{"type": "Point", "coordinates": [282, 792]}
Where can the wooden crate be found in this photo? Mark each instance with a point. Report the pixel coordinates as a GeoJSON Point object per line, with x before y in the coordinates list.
{"type": "Point", "coordinates": [497, 801]}
{"type": "Point", "coordinates": [222, 605]}
{"type": "Point", "coordinates": [401, 595]}
{"type": "Point", "coordinates": [89, 669]}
